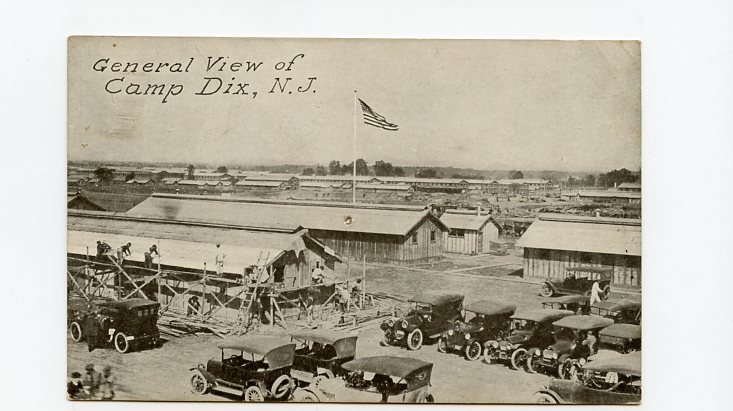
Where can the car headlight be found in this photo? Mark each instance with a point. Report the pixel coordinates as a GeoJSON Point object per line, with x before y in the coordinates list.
{"type": "Point", "coordinates": [467, 336]}
{"type": "Point", "coordinates": [450, 332]}
{"type": "Point", "coordinates": [554, 356]}
{"type": "Point", "coordinates": [390, 322]}
{"type": "Point", "coordinates": [537, 352]}
{"type": "Point", "coordinates": [508, 346]}
{"type": "Point", "coordinates": [582, 361]}
{"type": "Point", "coordinates": [404, 324]}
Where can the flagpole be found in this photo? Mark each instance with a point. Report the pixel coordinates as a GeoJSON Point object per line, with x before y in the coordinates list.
{"type": "Point", "coordinates": [353, 182]}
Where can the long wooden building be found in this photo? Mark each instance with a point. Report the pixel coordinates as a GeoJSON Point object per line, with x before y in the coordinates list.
{"type": "Point", "coordinates": [377, 233]}
{"type": "Point", "coordinates": [554, 243]}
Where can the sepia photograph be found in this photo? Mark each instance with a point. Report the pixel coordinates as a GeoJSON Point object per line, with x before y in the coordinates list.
{"type": "Point", "coordinates": [354, 220]}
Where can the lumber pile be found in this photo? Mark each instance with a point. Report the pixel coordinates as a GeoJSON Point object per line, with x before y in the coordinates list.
{"type": "Point", "coordinates": [175, 324]}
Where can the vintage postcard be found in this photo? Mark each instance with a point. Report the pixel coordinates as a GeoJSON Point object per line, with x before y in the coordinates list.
{"type": "Point", "coordinates": [354, 220]}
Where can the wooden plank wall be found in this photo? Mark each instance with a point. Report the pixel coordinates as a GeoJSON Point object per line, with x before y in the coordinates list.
{"type": "Point", "coordinates": [540, 263]}
{"type": "Point", "coordinates": [424, 250]}
{"type": "Point", "coordinates": [468, 244]}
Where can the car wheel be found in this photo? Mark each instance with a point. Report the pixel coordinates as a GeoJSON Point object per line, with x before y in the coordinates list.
{"type": "Point", "coordinates": [414, 340]}
{"type": "Point", "coordinates": [121, 343]}
{"type": "Point", "coordinates": [76, 334]}
{"type": "Point", "coordinates": [253, 394]}
{"type": "Point", "coordinates": [473, 351]}
{"type": "Point", "coordinates": [488, 354]}
{"type": "Point", "coordinates": [562, 370]}
{"type": "Point", "coordinates": [532, 363]}
{"type": "Point", "coordinates": [387, 341]}
{"type": "Point", "coordinates": [519, 358]}
{"type": "Point", "coordinates": [606, 292]}
{"type": "Point", "coordinates": [542, 398]}
{"type": "Point", "coordinates": [301, 395]}
{"type": "Point", "coordinates": [442, 345]}
{"type": "Point", "coordinates": [546, 291]}
{"type": "Point", "coordinates": [199, 385]}
{"type": "Point", "coordinates": [281, 387]}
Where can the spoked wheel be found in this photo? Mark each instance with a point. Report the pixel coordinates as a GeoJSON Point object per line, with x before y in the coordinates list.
{"type": "Point", "coordinates": [121, 343]}
{"type": "Point", "coordinates": [532, 363]}
{"type": "Point", "coordinates": [542, 398]}
{"type": "Point", "coordinates": [606, 292]}
{"type": "Point", "coordinates": [442, 345]}
{"type": "Point", "coordinates": [301, 395]}
{"type": "Point", "coordinates": [546, 291]}
{"type": "Point", "coordinates": [281, 387]}
{"type": "Point", "coordinates": [488, 354]}
{"type": "Point", "coordinates": [387, 341]}
{"type": "Point", "coordinates": [562, 370]}
{"type": "Point", "coordinates": [199, 386]}
{"type": "Point", "coordinates": [414, 340]}
{"type": "Point", "coordinates": [574, 373]}
{"type": "Point", "coordinates": [253, 394]}
{"type": "Point", "coordinates": [473, 351]}
{"type": "Point", "coordinates": [518, 359]}
{"type": "Point", "coordinates": [76, 334]}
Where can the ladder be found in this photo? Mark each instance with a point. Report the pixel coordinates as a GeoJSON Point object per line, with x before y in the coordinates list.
{"type": "Point", "coordinates": [251, 294]}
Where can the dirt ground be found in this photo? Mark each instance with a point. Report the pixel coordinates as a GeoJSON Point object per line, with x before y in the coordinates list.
{"type": "Point", "coordinates": [162, 374]}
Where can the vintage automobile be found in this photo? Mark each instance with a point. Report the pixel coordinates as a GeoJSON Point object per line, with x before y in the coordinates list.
{"type": "Point", "coordinates": [430, 315]}
{"type": "Point", "coordinates": [376, 379]}
{"type": "Point", "coordinates": [568, 349]}
{"type": "Point", "coordinates": [320, 354]}
{"type": "Point", "coordinates": [612, 381]}
{"type": "Point", "coordinates": [490, 321]}
{"type": "Point", "coordinates": [617, 339]}
{"type": "Point", "coordinates": [255, 369]}
{"type": "Point", "coordinates": [529, 329]}
{"type": "Point", "coordinates": [124, 324]}
{"type": "Point", "coordinates": [579, 280]}
{"type": "Point", "coordinates": [620, 311]}
{"type": "Point", "coordinates": [579, 304]}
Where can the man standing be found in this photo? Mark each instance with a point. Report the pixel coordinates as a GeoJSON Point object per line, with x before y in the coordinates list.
{"type": "Point", "coordinates": [317, 275]}
{"type": "Point", "coordinates": [219, 262]}
{"type": "Point", "coordinates": [595, 293]}
{"type": "Point", "coordinates": [92, 381]}
{"type": "Point", "coordinates": [75, 387]}
{"type": "Point", "coordinates": [107, 384]}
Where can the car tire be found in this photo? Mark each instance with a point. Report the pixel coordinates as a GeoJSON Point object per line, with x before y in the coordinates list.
{"type": "Point", "coordinates": [488, 350]}
{"type": "Point", "coordinates": [414, 340]}
{"type": "Point", "coordinates": [518, 359]}
{"type": "Point", "coordinates": [473, 350]}
{"type": "Point", "coordinates": [606, 292]}
{"type": "Point", "coordinates": [442, 345]}
{"type": "Point", "coordinates": [281, 387]}
{"type": "Point", "coordinates": [387, 341]}
{"type": "Point", "coordinates": [546, 290]}
{"type": "Point", "coordinates": [574, 372]}
{"type": "Point", "coordinates": [301, 395]}
{"type": "Point", "coordinates": [121, 343]}
{"type": "Point", "coordinates": [76, 333]}
{"type": "Point", "coordinates": [543, 398]}
{"type": "Point", "coordinates": [199, 385]}
{"type": "Point", "coordinates": [253, 394]}
{"type": "Point", "coordinates": [532, 369]}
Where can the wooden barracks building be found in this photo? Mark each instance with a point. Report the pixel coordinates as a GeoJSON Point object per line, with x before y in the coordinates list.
{"type": "Point", "coordinates": [377, 233]}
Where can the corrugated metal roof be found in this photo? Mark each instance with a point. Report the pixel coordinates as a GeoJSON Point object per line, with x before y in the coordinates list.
{"type": "Point", "coordinates": [464, 222]}
{"type": "Point", "coordinates": [242, 212]}
{"type": "Point", "coordinates": [386, 187]}
{"type": "Point", "coordinates": [247, 183]}
{"type": "Point", "coordinates": [609, 194]}
{"type": "Point", "coordinates": [603, 236]}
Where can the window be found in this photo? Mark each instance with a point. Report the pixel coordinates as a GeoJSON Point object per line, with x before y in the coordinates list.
{"type": "Point", "coordinates": [457, 233]}
{"type": "Point", "coordinates": [414, 238]}
{"type": "Point", "coordinates": [432, 236]}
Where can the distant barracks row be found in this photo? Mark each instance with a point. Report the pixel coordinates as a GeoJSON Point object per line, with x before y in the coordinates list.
{"type": "Point", "coordinates": [396, 234]}
{"type": "Point", "coordinates": [233, 180]}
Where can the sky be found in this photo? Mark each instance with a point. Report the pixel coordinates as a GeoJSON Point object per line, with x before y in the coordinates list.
{"type": "Point", "coordinates": [484, 104]}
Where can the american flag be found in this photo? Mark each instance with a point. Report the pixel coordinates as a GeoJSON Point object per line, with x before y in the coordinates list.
{"type": "Point", "coordinates": [372, 118]}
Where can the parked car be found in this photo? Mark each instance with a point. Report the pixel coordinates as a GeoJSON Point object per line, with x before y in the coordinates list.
{"type": "Point", "coordinates": [430, 315]}
{"type": "Point", "coordinates": [579, 304]}
{"type": "Point", "coordinates": [620, 311]}
{"type": "Point", "coordinates": [612, 381]}
{"type": "Point", "coordinates": [529, 329]}
{"type": "Point", "coordinates": [123, 324]}
{"type": "Point", "coordinates": [320, 354]}
{"type": "Point", "coordinates": [568, 349]}
{"type": "Point", "coordinates": [579, 280]}
{"type": "Point", "coordinates": [617, 339]}
{"type": "Point", "coordinates": [255, 369]}
{"type": "Point", "coordinates": [376, 379]}
{"type": "Point", "coordinates": [490, 321]}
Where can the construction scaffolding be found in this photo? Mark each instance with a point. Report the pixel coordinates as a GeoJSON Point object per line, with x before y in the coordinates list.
{"type": "Point", "coordinates": [194, 301]}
